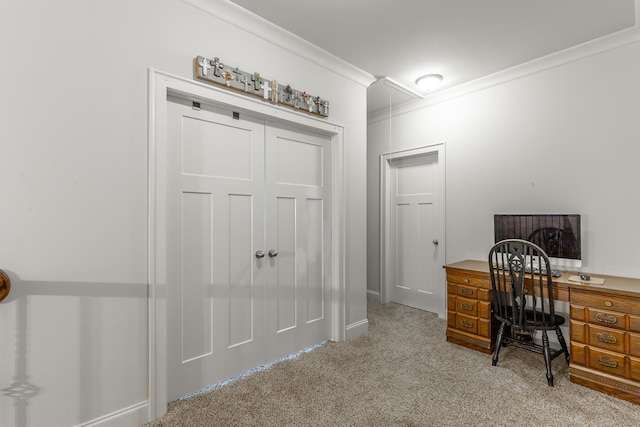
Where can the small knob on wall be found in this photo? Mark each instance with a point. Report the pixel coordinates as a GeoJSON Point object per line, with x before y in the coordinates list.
{"type": "Point", "coordinates": [5, 285]}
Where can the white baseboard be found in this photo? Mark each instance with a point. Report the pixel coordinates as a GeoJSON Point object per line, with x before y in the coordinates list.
{"type": "Point", "coordinates": [374, 295]}
{"type": "Point", "coordinates": [356, 329]}
{"type": "Point", "coordinates": [133, 416]}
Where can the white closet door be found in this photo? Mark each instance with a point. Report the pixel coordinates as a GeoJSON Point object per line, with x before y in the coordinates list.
{"type": "Point", "coordinates": [230, 309]}
{"type": "Point", "coordinates": [215, 226]}
{"type": "Point", "coordinates": [298, 203]}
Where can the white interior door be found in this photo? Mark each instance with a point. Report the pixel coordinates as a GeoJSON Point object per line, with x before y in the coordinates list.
{"type": "Point", "coordinates": [298, 201]}
{"type": "Point", "coordinates": [215, 223]}
{"type": "Point", "coordinates": [415, 257]}
{"type": "Point", "coordinates": [231, 304]}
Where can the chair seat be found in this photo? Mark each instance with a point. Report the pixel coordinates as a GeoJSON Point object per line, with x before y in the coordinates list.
{"type": "Point", "coordinates": [533, 324]}
{"type": "Point", "coordinates": [530, 323]}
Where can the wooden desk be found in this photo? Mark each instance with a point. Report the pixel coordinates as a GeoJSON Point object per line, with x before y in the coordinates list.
{"type": "Point", "coordinates": [604, 325]}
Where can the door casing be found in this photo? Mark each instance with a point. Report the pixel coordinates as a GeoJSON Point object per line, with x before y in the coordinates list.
{"type": "Point", "coordinates": [161, 85]}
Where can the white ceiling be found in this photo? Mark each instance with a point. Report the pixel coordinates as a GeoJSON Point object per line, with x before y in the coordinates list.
{"type": "Point", "coordinates": [461, 39]}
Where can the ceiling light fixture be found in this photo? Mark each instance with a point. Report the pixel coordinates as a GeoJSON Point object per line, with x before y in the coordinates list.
{"type": "Point", "coordinates": [429, 82]}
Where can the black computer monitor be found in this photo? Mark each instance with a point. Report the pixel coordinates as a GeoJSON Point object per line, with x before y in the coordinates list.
{"type": "Point", "coordinates": [557, 234]}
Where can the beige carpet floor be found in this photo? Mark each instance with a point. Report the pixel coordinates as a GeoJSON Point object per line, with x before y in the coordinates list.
{"type": "Point", "coordinates": [403, 373]}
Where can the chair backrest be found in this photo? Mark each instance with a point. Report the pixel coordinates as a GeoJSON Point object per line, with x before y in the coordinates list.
{"type": "Point", "coordinates": [550, 239]}
{"type": "Point", "coordinates": [522, 287]}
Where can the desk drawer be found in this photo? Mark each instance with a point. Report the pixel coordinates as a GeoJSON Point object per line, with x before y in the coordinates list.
{"type": "Point", "coordinates": [605, 301]}
{"type": "Point", "coordinates": [605, 338]}
{"type": "Point", "coordinates": [467, 291]}
{"type": "Point", "coordinates": [466, 306]}
{"type": "Point", "coordinates": [612, 363]}
{"type": "Point", "coordinates": [602, 360]}
{"type": "Point", "coordinates": [470, 292]}
{"type": "Point", "coordinates": [464, 323]}
{"type": "Point", "coordinates": [470, 325]}
{"type": "Point", "coordinates": [464, 277]}
{"type": "Point", "coordinates": [607, 318]}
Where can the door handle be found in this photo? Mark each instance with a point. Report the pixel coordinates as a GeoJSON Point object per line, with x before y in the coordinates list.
{"type": "Point", "coordinates": [259, 254]}
{"type": "Point", "coordinates": [435, 242]}
{"type": "Point", "coordinates": [273, 252]}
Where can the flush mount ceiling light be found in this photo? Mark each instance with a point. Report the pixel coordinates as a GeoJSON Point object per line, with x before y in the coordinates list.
{"type": "Point", "coordinates": [429, 82]}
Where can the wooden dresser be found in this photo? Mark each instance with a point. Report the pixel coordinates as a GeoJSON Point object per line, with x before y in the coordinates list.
{"type": "Point", "coordinates": [604, 325]}
{"type": "Point", "coordinates": [605, 342]}
{"type": "Point", "coordinates": [469, 319]}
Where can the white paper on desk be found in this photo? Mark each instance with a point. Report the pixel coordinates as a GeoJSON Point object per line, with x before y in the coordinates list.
{"type": "Point", "coordinates": [593, 281]}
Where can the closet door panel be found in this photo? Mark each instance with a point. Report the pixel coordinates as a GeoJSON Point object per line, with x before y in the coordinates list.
{"type": "Point", "coordinates": [240, 273]}
{"type": "Point", "coordinates": [282, 280]}
{"type": "Point", "coordinates": [196, 304]}
{"type": "Point", "coordinates": [315, 280]}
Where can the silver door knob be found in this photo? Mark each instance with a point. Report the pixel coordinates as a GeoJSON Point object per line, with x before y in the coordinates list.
{"type": "Point", "coordinates": [273, 252]}
{"type": "Point", "coordinates": [435, 242]}
{"type": "Point", "coordinates": [259, 254]}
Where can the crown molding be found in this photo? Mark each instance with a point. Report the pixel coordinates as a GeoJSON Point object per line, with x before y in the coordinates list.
{"type": "Point", "coordinates": [401, 88]}
{"type": "Point", "coordinates": [266, 30]}
{"type": "Point", "coordinates": [386, 87]}
{"type": "Point", "coordinates": [575, 53]}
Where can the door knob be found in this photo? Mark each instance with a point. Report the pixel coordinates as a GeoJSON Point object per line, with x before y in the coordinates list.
{"type": "Point", "coordinates": [273, 252]}
{"type": "Point", "coordinates": [435, 242]}
{"type": "Point", "coordinates": [259, 254]}
{"type": "Point", "coordinates": [5, 285]}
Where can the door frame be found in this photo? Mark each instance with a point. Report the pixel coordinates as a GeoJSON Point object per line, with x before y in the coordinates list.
{"type": "Point", "coordinates": [385, 216]}
{"type": "Point", "coordinates": [160, 86]}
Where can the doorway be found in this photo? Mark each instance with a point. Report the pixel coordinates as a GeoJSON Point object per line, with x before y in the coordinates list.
{"type": "Point", "coordinates": [412, 228]}
{"type": "Point", "coordinates": [248, 243]}
{"type": "Point", "coordinates": [275, 125]}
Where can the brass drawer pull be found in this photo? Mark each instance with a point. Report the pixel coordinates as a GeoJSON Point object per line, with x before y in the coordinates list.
{"type": "Point", "coordinates": [606, 338]}
{"type": "Point", "coordinates": [466, 306]}
{"type": "Point", "coordinates": [608, 303]}
{"type": "Point", "coordinates": [607, 362]}
{"type": "Point", "coordinates": [607, 318]}
{"type": "Point", "coordinates": [466, 323]}
{"type": "Point", "coordinates": [466, 281]}
{"type": "Point", "coordinates": [466, 291]}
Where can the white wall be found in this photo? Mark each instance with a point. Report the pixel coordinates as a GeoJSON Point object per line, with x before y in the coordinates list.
{"type": "Point", "coordinates": [73, 217]}
{"type": "Point", "coordinates": [560, 140]}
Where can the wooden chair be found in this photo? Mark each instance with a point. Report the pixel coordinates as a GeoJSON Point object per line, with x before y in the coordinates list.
{"type": "Point", "coordinates": [522, 300]}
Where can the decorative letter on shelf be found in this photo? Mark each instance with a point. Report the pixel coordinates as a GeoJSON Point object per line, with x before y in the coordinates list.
{"type": "Point", "coordinates": [213, 71]}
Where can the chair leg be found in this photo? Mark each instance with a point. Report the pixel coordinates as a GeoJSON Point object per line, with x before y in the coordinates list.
{"type": "Point", "coordinates": [547, 356]}
{"type": "Point", "coordinates": [563, 344]}
{"type": "Point", "coordinates": [499, 340]}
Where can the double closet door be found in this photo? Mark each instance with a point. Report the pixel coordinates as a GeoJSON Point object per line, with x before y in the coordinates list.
{"type": "Point", "coordinates": [248, 243]}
